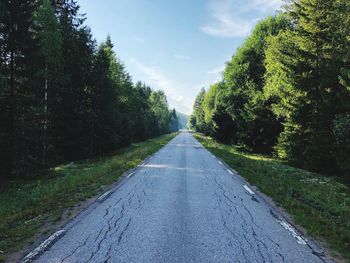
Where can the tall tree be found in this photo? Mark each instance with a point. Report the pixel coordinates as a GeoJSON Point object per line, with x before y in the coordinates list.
{"type": "Point", "coordinates": [198, 113]}
{"type": "Point", "coordinates": [50, 68]}
{"type": "Point", "coordinates": [303, 69]}
{"type": "Point", "coordinates": [18, 118]}
{"type": "Point", "coordinates": [141, 111]}
{"type": "Point", "coordinates": [160, 110]}
{"type": "Point", "coordinates": [70, 121]}
{"type": "Point", "coordinates": [242, 97]}
{"type": "Point", "coordinates": [105, 116]}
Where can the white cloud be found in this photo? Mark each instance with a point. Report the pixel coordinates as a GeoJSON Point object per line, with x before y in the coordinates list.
{"type": "Point", "coordinates": [233, 18]}
{"type": "Point", "coordinates": [154, 77]}
{"type": "Point", "coordinates": [181, 57]}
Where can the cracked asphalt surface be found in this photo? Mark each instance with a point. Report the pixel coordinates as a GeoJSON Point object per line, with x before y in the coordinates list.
{"type": "Point", "coordinates": [181, 206]}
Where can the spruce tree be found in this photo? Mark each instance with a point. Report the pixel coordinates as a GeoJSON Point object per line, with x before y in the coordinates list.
{"type": "Point", "coordinates": [70, 122]}
{"type": "Point", "coordinates": [19, 116]}
{"type": "Point", "coordinates": [50, 69]}
{"type": "Point", "coordinates": [303, 71]}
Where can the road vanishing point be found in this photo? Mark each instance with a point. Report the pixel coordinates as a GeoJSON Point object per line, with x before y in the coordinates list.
{"type": "Point", "coordinates": [182, 205]}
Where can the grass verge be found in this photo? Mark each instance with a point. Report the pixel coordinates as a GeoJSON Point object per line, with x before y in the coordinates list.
{"type": "Point", "coordinates": [25, 205]}
{"type": "Point", "coordinates": [321, 205]}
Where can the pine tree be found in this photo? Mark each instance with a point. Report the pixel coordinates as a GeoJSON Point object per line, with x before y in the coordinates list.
{"type": "Point", "coordinates": [198, 112]}
{"type": "Point", "coordinates": [51, 75]}
{"type": "Point", "coordinates": [18, 50]}
{"type": "Point", "coordinates": [105, 135]}
{"type": "Point", "coordinates": [141, 111]}
{"type": "Point", "coordinates": [70, 122]}
{"type": "Point", "coordinates": [303, 71]}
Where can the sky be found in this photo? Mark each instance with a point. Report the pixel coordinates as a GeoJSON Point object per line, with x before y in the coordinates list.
{"type": "Point", "coordinates": [178, 46]}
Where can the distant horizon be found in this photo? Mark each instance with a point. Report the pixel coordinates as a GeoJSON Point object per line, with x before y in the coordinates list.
{"type": "Point", "coordinates": [176, 56]}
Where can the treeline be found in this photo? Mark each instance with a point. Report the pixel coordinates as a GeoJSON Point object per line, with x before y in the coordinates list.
{"type": "Point", "coordinates": [286, 90]}
{"type": "Point", "coordinates": [62, 97]}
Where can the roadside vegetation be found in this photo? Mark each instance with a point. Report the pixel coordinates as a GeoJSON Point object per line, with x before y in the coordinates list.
{"type": "Point", "coordinates": [321, 205]}
{"type": "Point", "coordinates": [63, 97]}
{"type": "Point", "coordinates": [26, 205]}
{"type": "Point", "coordinates": [286, 90]}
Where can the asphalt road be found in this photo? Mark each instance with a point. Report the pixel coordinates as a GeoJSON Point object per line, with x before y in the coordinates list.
{"type": "Point", "coordinates": [183, 205]}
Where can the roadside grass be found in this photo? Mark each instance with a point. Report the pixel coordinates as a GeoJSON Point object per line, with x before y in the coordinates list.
{"type": "Point", "coordinates": [25, 205]}
{"type": "Point", "coordinates": [319, 204]}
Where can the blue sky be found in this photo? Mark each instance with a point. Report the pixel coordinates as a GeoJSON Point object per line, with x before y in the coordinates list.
{"type": "Point", "coordinates": [177, 46]}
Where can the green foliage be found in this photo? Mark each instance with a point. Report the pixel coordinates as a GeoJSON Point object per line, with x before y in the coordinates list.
{"type": "Point", "coordinates": [159, 107]}
{"type": "Point", "coordinates": [236, 109]}
{"type": "Point", "coordinates": [341, 132]}
{"type": "Point", "coordinates": [197, 122]}
{"type": "Point", "coordinates": [62, 98]}
{"type": "Point", "coordinates": [285, 86]}
{"type": "Point", "coordinates": [303, 68]}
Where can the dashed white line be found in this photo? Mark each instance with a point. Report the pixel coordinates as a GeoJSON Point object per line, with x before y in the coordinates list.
{"type": "Point", "coordinates": [250, 191]}
{"type": "Point", "coordinates": [220, 162]}
{"type": "Point", "coordinates": [104, 196]}
{"type": "Point", "coordinates": [131, 174]}
{"type": "Point", "coordinates": [230, 172]}
{"type": "Point", "coordinates": [293, 232]}
{"type": "Point", "coordinates": [32, 255]}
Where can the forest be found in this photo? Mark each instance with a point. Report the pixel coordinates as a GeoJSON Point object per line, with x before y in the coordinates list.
{"type": "Point", "coordinates": [286, 90]}
{"type": "Point", "coordinates": [63, 97]}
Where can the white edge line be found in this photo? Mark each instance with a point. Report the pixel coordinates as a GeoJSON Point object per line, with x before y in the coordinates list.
{"type": "Point", "coordinates": [30, 257]}
{"type": "Point", "coordinates": [220, 162]}
{"type": "Point", "coordinates": [131, 174]}
{"type": "Point", "coordinates": [287, 226]}
{"type": "Point", "coordinates": [250, 191]}
{"type": "Point", "coordinates": [102, 197]}
{"type": "Point", "coordinates": [230, 172]}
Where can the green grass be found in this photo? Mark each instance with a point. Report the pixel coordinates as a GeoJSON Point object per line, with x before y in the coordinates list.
{"type": "Point", "coordinates": [26, 205]}
{"type": "Point", "coordinates": [321, 205]}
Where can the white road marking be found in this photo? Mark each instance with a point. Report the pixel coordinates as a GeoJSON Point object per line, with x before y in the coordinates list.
{"type": "Point", "coordinates": [250, 191]}
{"type": "Point", "coordinates": [130, 174]}
{"type": "Point", "coordinates": [230, 172]}
{"type": "Point", "coordinates": [287, 226]}
{"type": "Point", "coordinates": [220, 162]}
{"type": "Point", "coordinates": [104, 196]}
{"type": "Point", "coordinates": [31, 256]}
